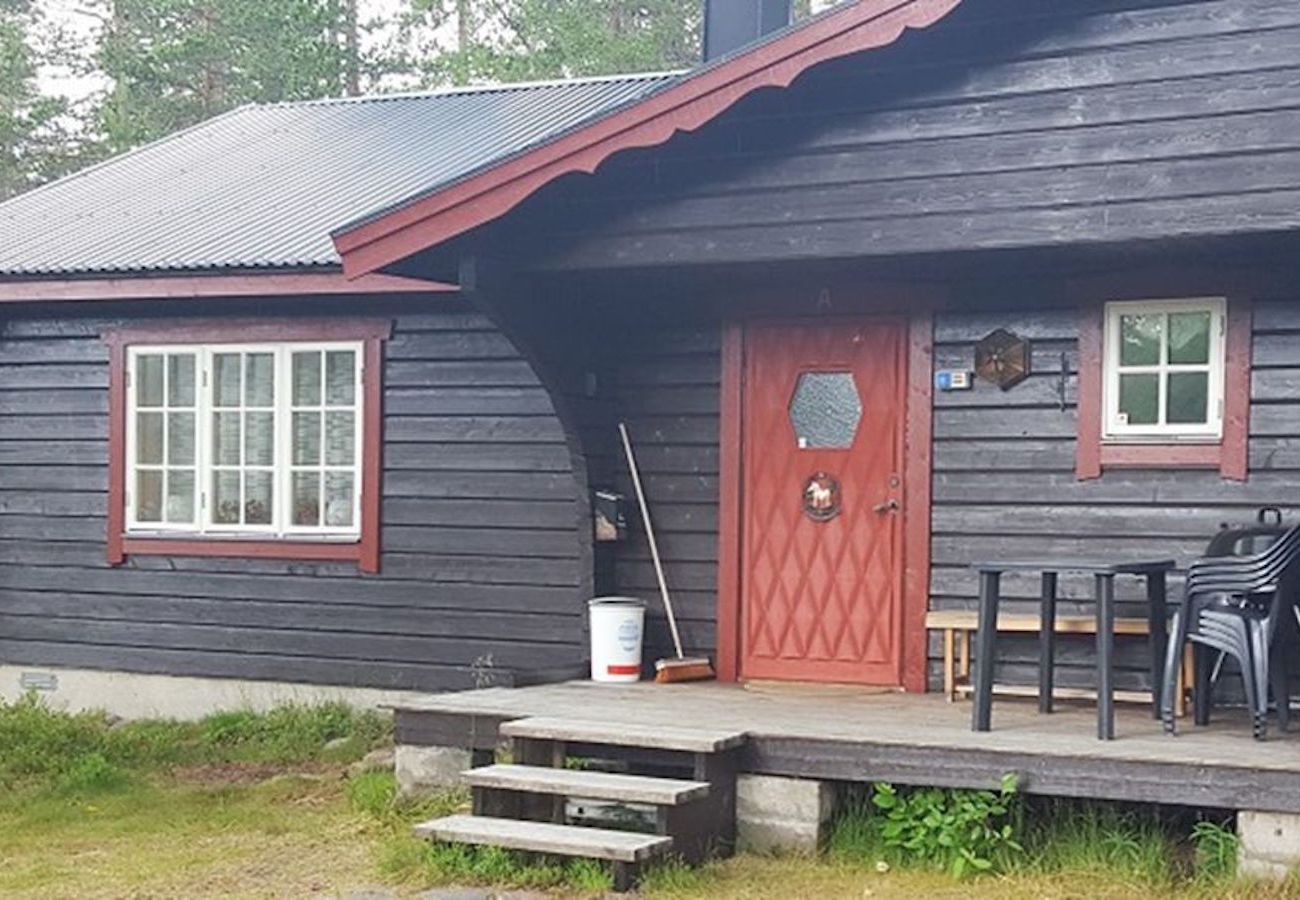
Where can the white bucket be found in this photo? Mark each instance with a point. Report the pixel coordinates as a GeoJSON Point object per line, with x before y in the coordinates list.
{"type": "Point", "coordinates": [617, 626]}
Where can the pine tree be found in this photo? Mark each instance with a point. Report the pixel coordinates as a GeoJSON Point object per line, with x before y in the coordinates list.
{"type": "Point", "coordinates": [33, 133]}
{"type": "Point", "coordinates": [172, 63]}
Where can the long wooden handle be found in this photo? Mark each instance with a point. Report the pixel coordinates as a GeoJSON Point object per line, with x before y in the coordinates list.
{"type": "Point", "coordinates": [650, 537]}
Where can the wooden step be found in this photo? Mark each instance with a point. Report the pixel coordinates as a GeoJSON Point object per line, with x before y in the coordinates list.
{"type": "Point", "coordinates": [622, 734]}
{"type": "Point", "coordinates": [588, 785]}
{"type": "Point", "coordinates": [543, 837]}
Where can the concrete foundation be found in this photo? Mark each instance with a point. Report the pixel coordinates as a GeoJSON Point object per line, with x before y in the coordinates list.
{"type": "Point", "coordinates": [782, 814]}
{"type": "Point", "coordinates": [1270, 844]}
{"type": "Point", "coordinates": [426, 770]}
{"type": "Point", "coordinates": [135, 696]}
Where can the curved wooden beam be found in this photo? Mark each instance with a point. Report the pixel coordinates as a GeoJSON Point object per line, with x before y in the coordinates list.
{"type": "Point", "coordinates": [433, 218]}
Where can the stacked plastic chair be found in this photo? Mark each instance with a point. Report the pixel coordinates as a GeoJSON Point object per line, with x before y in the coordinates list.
{"type": "Point", "coordinates": [1235, 605]}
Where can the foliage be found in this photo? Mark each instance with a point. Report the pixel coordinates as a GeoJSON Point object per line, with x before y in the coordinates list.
{"type": "Point", "coordinates": [48, 748]}
{"type": "Point", "coordinates": [33, 132]}
{"type": "Point", "coordinates": [173, 63]}
{"type": "Point", "coordinates": [1216, 847]}
{"type": "Point", "coordinates": [519, 40]}
{"type": "Point", "coordinates": [962, 831]}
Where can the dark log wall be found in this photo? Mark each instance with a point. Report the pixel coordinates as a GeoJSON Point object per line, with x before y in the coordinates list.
{"type": "Point", "coordinates": [1004, 480]}
{"type": "Point", "coordinates": [1005, 486]}
{"type": "Point", "coordinates": [482, 558]}
{"type": "Point", "coordinates": [1010, 123]}
{"type": "Point", "coordinates": [667, 384]}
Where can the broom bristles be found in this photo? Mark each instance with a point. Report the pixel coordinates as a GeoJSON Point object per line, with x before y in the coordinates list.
{"type": "Point", "coordinates": [671, 670]}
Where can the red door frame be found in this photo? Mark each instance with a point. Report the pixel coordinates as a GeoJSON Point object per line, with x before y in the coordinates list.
{"type": "Point", "coordinates": [915, 563]}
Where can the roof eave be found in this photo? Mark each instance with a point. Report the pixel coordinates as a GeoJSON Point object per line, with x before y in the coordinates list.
{"type": "Point", "coordinates": [429, 220]}
{"type": "Point", "coordinates": [196, 285]}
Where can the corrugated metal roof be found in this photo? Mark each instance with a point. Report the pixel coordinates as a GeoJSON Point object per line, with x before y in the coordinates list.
{"type": "Point", "coordinates": [263, 186]}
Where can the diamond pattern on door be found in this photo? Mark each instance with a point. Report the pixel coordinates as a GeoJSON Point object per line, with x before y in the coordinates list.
{"type": "Point", "coordinates": [820, 599]}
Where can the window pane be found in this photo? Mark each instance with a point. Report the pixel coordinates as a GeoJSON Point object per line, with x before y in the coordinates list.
{"type": "Point", "coordinates": [225, 498]}
{"type": "Point", "coordinates": [1189, 398]}
{"type": "Point", "coordinates": [338, 499]}
{"type": "Point", "coordinates": [148, 496]}
{"type": "Point", "coordinates": [225, 438]}
{"type": "Point", "coordinates": [825, 410]}
{"type": "Point", "coordinates": [258, 498]}
{"type": "Point", "coordinates": [1139, 399]}
{"type": "Point", "coordinates": [1189, 338]}
{"type": "Point", "coordinates": [1140, 339]}
{"type": "Point", "coordinates": [180, 495]}
{"type": "Point", "coordinates": [226, 374]}
{"type": "Point", "coordinates": [259, 439]}
{"type": "Point", "coordinates": [259, 379]}
{"type": "Point", "coordinates": [340, 439]}
{"type": "Point", "coordinates": [306, 439]}
{"type": "Point", "coordinates": [340, 378]}
{"type": "Point", "coordinates": [149, 381]}
{"type": "Point", "coordinates": [180, 439]}
{"type": "Point", "coordinates": [306, 498]}
{"type": "Point", "coordinates": [180, 380]}
{"type": "Point", "coordinates": [306, 379]}
{"type": "Point", "coordinates": [149, 438]}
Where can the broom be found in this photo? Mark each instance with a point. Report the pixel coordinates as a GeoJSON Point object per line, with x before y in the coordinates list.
{"type": "Point", "coordinates": [682, 667]}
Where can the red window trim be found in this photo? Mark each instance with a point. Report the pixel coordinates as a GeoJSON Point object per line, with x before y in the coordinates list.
{"type": "Point", "coordinates": [1228, 454]}
{"type": "Point", "coordinates": [371, 332]}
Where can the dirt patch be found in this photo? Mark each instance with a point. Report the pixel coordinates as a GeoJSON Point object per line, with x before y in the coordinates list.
{"type": "Point", "coordinates": [220, 774]}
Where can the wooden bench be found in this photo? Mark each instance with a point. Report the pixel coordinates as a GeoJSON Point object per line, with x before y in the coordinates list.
{"type": "Point", "coordinates": [959, 625]}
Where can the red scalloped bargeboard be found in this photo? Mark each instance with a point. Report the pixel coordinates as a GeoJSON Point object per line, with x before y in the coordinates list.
{"type": "Point", "coordinates": [824, 411]}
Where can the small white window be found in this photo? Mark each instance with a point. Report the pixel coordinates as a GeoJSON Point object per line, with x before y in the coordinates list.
{"type": "Point", "coordinates": [259, 440]}
{"type": "Point", "coordinates": [1164, 363]}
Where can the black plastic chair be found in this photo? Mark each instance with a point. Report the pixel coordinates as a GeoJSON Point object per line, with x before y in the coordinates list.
{"type": "Point", "coordinates": [1235, 605]}
{"type": "Point", "coordinates": [1248, 540]}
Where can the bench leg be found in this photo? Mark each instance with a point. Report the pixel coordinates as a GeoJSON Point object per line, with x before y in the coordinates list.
{"type": "Point", "coordinates": [949, 665]}
{"type": "Point", "coordinates": [624, 876]}
{"type": "Point", "coordinates": [963, 657]}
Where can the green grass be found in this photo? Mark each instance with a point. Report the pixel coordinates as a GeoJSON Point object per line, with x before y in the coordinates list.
{"type": "Point", "coordinates": [44, 748]}
{"type": "Point", "coordinates": [255, 805]}
{"type": "Point", "coordinates": [1132, 849]}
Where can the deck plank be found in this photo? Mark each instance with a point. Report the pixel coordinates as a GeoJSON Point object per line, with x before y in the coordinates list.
{"type": "Point", "coordinates": [588, 784]}
{"type": "Point", "coordinates": [879, 718]}
{"type": "Point", "coordinates": [544, 837]}
{"type": "Point", "coordinates": [622, 733]}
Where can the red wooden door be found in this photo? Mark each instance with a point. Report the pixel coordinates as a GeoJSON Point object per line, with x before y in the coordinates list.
{"type": "Point", "coordinates": [821, 530]}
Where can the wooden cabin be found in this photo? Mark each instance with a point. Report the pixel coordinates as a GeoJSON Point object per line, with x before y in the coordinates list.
{"type": "Point", "coordinates": [776, 267]}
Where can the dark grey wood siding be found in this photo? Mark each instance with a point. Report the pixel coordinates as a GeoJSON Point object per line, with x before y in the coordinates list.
{"type": "Point", "coordinates": [482, 550]}
{"type": "Point", "coordinates": [667, 387]}
{"type": "Point", "coordinates": [1005, 486]}
{"type": "Point", "coordinates": [1004, 480]}
{"type": "Point", "coordinates": [1010, 123]}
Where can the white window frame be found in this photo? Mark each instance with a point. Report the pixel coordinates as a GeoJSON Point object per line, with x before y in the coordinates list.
{"type": "Point", "coordinates": [282, 527]}
{"type": "Point", "coordinates": [1117, 430]}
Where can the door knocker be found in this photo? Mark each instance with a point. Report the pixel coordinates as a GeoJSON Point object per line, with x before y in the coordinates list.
{"type": "Point", "coordinates": [821, 497]}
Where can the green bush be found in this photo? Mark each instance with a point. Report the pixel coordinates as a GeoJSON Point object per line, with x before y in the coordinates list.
{"type": "Point", "coordinates": [962, 831]}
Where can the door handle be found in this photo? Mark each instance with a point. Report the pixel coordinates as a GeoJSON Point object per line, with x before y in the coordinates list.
{"type": "Point", "coordinates": [890, 505]}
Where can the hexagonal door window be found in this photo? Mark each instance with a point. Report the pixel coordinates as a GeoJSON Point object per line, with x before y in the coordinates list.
{"type": "Point", "coordinates": [825, 410]}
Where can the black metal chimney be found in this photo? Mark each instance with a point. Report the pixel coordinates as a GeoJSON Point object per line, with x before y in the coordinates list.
{"type": "Point", "coordinates": [731, 24]}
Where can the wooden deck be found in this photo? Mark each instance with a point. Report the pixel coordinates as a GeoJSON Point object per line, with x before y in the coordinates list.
{"type": "Point", "coordinates": [863, 735]}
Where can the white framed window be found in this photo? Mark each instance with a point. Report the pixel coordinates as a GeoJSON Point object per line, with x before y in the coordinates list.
{"type": "Point", "coordinates": [1164, 369]}
{"type": "Point", "coordinates": [245, 440]}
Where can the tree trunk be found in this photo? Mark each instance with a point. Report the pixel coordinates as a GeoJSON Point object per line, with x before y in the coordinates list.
{"type": "Point", "coordinates": [464, 26]}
